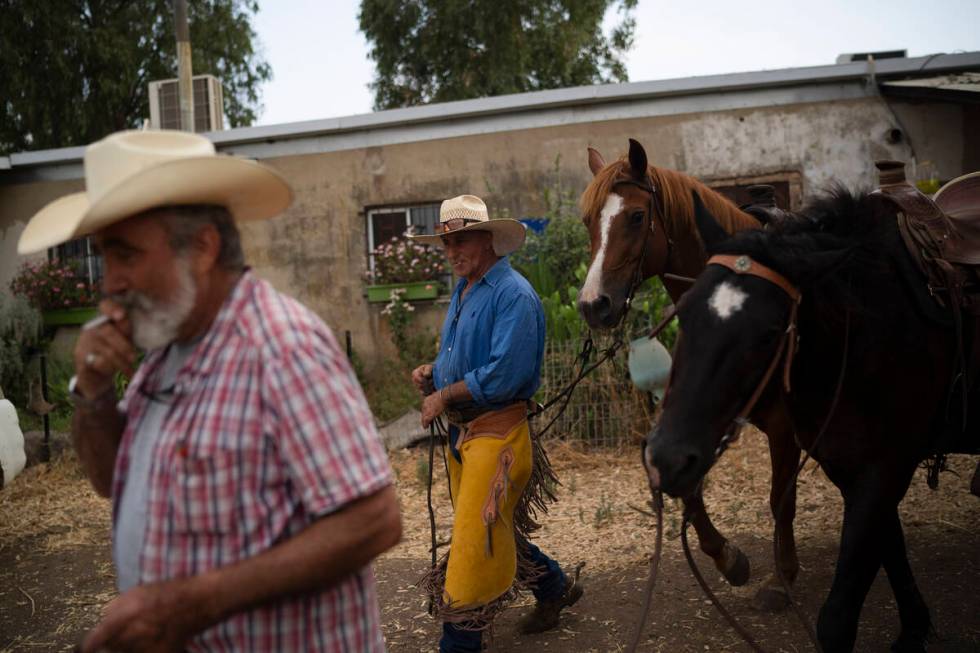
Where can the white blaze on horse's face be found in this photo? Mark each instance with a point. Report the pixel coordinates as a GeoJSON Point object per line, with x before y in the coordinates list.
{"type": "Point", "coordinates": [726, 300]}
{"type": "Point", "coordinates": [593, 281]}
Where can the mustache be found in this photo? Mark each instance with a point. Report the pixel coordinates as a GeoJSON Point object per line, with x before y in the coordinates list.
{"type": "Point", "coordinates": [132, 300]}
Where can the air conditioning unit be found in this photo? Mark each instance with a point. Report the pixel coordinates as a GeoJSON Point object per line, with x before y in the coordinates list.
{"type": "Point", "coordinates": [209, 108]}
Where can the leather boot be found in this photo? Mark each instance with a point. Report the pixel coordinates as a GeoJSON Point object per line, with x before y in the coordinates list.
{"type": "Point", "coordinates": [546, 613]}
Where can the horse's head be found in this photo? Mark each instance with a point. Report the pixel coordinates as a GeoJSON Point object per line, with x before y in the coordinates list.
{"type": "Point", "coordinates": [733, 323]}
{"type": "Point", "coordinates": [621, 212]}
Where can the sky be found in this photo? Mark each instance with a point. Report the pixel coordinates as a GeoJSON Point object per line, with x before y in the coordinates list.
{"type": "Point", "coordinates": [321, 68]}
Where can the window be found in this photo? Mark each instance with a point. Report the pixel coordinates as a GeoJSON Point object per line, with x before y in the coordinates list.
{"type": "Point", "coordinates": [788, 187]}
{"type": "Point", "coordinates": [79, 253]}
{"type": "Point", "coordinates": [385, 223]}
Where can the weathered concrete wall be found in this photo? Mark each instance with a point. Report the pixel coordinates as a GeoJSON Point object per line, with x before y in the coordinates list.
{"type": "Point", "coordinates": [317, 251]}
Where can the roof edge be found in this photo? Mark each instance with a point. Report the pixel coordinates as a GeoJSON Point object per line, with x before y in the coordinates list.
{"type": "Point", "coordinates": [556, 98]}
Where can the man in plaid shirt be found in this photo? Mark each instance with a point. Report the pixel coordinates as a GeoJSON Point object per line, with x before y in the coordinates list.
{"type": "Point", "coordinates": [250, 489]}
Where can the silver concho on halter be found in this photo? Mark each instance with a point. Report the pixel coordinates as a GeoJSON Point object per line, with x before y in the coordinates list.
{"type": "Point", "coordinates": [743, 264]}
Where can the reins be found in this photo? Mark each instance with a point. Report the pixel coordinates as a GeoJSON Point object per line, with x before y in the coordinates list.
{"type": "Point", "coordinates": [785, 352]}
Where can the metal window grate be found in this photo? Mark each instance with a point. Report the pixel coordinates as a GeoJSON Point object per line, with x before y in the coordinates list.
{"type": "Point", "coordinates": [80, 254]}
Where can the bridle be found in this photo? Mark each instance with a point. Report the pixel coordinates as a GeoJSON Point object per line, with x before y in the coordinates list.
{"type": "Point", "coordinates": [788, 342]}
{"type": "Point", "coordinates": [785, 352]}
{"type": "Point", "coordinates": [647, 186]}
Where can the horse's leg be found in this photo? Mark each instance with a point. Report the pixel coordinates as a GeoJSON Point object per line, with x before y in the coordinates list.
{"type": "Point", "coordinates": [858, 562]}
{"type": "Point", "coordinates": [912, 609]}
{"type": "Point", "coordinates": [867, 539]}
{"type": "Point", "coordinates": [784, 455]}
{"type": "Point", "coordinates": [730, 561]}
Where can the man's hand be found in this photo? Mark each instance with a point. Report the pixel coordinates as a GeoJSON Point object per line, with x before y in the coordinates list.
{"type": "Point", "coordinates": [422, 378]}
{"type": "Point", "coordinates": [432, 407]}
{"type": "Point", "coordinates": [155, 618]}
{"type": "Point", "coordinates": [102, 351]}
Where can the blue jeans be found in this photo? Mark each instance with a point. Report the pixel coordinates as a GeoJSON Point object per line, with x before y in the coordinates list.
{"type": "Point", "coordinates": [547, 587]}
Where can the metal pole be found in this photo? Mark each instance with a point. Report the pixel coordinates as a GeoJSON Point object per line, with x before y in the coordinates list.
{"type": "Point", "coordinates": [184, 71]}
{"type": "Point", "coordinates": [46, 445]}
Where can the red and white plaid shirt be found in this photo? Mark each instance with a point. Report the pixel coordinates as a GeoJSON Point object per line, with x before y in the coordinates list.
{"type": "Point", "coordinates": [266, 430]}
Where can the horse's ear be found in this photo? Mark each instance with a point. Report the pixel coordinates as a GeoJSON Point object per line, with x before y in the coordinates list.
{"type": "Point", "coordinates": [638, 160]}
{"type": "Point", "coordinates": [711, 232]}
{"type": "Point", "coordinates": [596, 162]}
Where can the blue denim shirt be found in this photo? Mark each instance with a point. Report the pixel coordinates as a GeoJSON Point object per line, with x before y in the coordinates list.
{"type": "Point", "coordinates": [493, 339]}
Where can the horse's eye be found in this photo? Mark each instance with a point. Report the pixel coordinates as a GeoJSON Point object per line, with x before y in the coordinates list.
{"type": "Point", "coordinates": [636, 218]}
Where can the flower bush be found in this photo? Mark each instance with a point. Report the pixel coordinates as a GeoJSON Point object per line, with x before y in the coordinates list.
{"type": "Point", "coordinates": [52, 285]}
{"type": "Point", "coordinates": [402, 260]}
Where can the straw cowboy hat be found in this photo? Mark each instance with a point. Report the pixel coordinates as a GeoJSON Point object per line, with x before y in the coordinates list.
{"type": "Point", "coordinates": [469, 213]}
{"type": "Point", "coordinates": [133, 171]}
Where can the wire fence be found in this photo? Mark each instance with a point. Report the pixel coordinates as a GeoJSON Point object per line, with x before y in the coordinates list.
{"type": "Point", "coordinates": [604, 410]}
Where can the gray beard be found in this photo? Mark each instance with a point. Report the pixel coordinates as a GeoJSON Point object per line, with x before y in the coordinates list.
{"type": "Point", "coordinates": [156, 323]}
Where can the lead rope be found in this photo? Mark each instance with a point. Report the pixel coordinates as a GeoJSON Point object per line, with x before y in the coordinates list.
{"type": "Point", "coordinates": [657, 503]}
{"type": "Point", "coordinates": [786, 348]}
{"type": "Point", "coordinates": [711, 595]}
{"type": "Point", "coordinates": [432, 514]}
{"type": "Point", "coordinates": [807, 626]}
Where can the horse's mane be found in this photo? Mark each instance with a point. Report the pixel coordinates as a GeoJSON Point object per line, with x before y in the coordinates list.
{"type": "Point", "coordinates": [675, 190]}
{"type": "Point", "coordinates": [836, 233]}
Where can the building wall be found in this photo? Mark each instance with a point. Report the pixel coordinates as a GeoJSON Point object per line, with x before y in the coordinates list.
{"type": "Point", "coordinates": [317, 251]}
{"type": "Point", "coordinates": [17, 204]}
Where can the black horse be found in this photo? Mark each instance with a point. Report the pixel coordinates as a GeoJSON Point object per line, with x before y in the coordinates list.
{"type": "Point", "coordinates": [870, 388]}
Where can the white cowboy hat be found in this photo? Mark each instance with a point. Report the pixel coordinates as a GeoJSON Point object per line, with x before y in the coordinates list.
{"type": "Point", "coordinates": [469, 213]}
{"type": "Point", "coordinates": [133, 171]}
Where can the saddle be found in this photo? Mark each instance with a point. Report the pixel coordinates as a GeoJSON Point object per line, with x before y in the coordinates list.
{"type": "Point", "coordinates": [942, 236]}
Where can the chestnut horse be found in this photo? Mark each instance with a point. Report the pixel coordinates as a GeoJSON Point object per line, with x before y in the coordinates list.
{"type": "Point", "coordinates": [641, 222]}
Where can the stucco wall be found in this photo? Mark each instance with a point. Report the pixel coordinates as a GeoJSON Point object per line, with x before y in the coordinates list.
{"type": "Point", "coordinates": [317, 252]}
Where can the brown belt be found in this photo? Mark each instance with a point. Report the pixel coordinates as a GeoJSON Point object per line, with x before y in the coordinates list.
{"type": "Point", "coordinates": [495, 423]}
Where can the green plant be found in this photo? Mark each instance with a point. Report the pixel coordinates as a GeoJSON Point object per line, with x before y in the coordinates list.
{"type": "Point", "coordinates": [389, 392]}
{"type": "Point", "coordinates": [402, 260]}
{"type": "Point", "coordinates": [564, 244]}
{"type": "Point", "coordinates": [603, 512]}
{"type": "Point", "coordinates": [20, 329]}
{"type": "Point", "coordinates": [414, 347]}
{"type": "Point", "coordinates": [571, 484]}
{"type": "Point", "coordinates": [649, 304]}
{"type": "Point", "coordinates": [52, 285]}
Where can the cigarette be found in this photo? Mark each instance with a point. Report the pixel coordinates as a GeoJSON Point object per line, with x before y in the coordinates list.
{"type": "Point", "coordinates": [95, 322]}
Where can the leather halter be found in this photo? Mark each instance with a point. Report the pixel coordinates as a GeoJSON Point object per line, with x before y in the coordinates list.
{"type": "Point", "coordinates": [647, 186]}
{"type": "Point", "coordinates": [745, 265]}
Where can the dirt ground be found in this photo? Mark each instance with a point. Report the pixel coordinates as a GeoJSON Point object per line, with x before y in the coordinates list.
{"type": "Point", "coordinates": [55, 570]}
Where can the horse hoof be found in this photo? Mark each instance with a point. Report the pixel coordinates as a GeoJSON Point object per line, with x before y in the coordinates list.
{"type": "Point", "coordinates": [771, 599]}
{"type": "Point", "coordinates": [734, 566]}
{"type": "Point", "coordinates": [908, 644]}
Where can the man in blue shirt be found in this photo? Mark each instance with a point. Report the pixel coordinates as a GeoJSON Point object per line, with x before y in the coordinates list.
{"type": "Point", "coordinates": [488, 368]}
